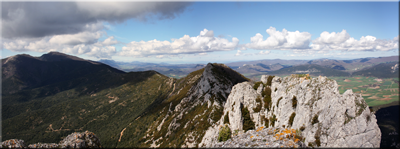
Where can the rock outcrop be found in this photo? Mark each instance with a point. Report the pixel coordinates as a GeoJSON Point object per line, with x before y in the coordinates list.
{"type": "Point", "coordinates": [196, 106]}
{"type": "Point", "coordinates": [312, 105]}
{"type": "Point", "coordinates": [75, 140]}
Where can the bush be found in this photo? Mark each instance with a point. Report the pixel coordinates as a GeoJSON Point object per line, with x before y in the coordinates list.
{"type": "Point", "coordinates": [273, 119]}
{"type": "Point", "coordinates": [266, 91]}
{"type": "Point", "coordinates": [256, 85]}
{"type": "Point", "coordinates": [224, 133]}
{"type": "Point", "coordinates": [226, 118]}
{"type": "Point", "coordinates": [269, 80]}
{"type": "Point", "coordinates": [302, 128]}
{"type": "Point", "coordinates": [247, 122]}
{"type": "Point", "coordinates": [258, 105]}
{"type": "Point", "coordinates": [266, 122]}
{"type": "Point", "coordinates": [292, 118]}
{"type": "Point", "coordinates": [317, 140]}
{"type": "Point", "coordinates": [310, 144]}
{"type": "Point", "coordinates": [294, 102]}
{"type": "Point", "coordinates": [267, 102]}
{"type": "Point", "coordinates": [315, 119]}
{"type": "Point", "coordinates": [277, 103]}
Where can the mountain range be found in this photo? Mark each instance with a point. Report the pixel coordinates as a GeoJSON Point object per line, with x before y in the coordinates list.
{"type": "Point", "coordinates": [46, 98]}
{"type": "Point", "coordinates": [254, 69]}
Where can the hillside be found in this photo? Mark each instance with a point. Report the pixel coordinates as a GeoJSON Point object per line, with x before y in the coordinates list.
{"type": "Point", "coordinates": [383, 70]}
{"type": "Point", "coordinates": [103, 100]}
{"type": "Point", "coordinates": [182, 119]}
{"type": "Point", "coordinates": [311, 69]}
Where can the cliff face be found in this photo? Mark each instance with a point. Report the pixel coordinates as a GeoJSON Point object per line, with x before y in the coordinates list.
{"type": "Point", "coordinates": [312, 105]}
{"type": "Point", "coordinates": [197, 105]}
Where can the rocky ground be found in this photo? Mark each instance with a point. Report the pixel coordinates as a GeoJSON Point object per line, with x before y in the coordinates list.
{"type": "Point", "coordinates": [265, 138]}
{"type": "Point", "coordinates": [75, 140]}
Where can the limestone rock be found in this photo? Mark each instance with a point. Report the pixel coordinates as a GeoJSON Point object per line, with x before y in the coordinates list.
{"type": "Point", "coordinates": [75, 140]}
{"type": "Point", "coordinates": [340, 120]}
{"type": "Point", "coordinates": [13, 143]}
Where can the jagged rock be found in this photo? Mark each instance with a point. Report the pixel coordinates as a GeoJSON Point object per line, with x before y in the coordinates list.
{"type": "Point", "coordinates": [75, 140]}
{"type": "Point", "coordinates": [81, 140]}
{"type": "Point", "coordinates": [264, 138]}
{"type": "Point", "coordinates": [340, 120]}
{"type": "Point", "coordinates": [13, 143]}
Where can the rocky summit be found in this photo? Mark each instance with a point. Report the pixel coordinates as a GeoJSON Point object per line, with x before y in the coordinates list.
{"type": "Point", "coordinates": [312, 106]}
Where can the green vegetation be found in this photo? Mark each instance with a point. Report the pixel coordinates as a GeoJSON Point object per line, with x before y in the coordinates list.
{"type": "Point", "coordinates": [256, 85]}
{"type": "Point", "coordinates": [292, 118]}
{"type": "Point", "coordinates": [266, 91]}
{"type": "Point", "coordinates": [247, 122]}
{"type": "Point", "coordinates": [315, 119]}
{"type": "Point", "coordinates": [267, 98]}
{"type": "Point", "coordinates": [317, 140]}
{"type": "Point", "coordinates": [302, 128]}
{"type": "Point", "coordinates": [375, 91]}
{"type": "Point", "coordinates": [273, 119]}
{"type": "Point", "coordinates": [258, 105]}
{"type": "Point", "coordinates": [266, 122]}
{"type": "Point", "coordinates": [269, 80]}
{"type": "Point", "coordinates": [277, 103]}
{"type": "Point", "coordinates": [226, 118]}
{"type": "Point", "coordinates": [294, 102]}
{"type": "Point", "coordinates": [224, 133]}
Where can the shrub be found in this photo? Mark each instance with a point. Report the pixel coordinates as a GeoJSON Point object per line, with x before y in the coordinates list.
{"type": "Point", "coordinates": [247, 122]}
{"type": "Point", "coordinates": [302, 128]}
{"type": "Point", "coordinates": [292, 118]}
{"type": "Point", "coordinates": [315, 119]}
{"type": "Point", "coordinates": [310, 144]}
{"type": "Point", "coordinates": [317, 140]}
{"type": "Point", "coordinates": [226, 118]}
{"type": "Point", "coordinates": [258, 105]}
{"type": "Point", "coordinates": [267, 102]}
{"type": "Point", "coordinates": [266, 122]}
{"type": "Point", "coordinates": [269, 80]}
{"type": "Point", "coordinates": [256, 85]}
{"type": "Point", "coordinates": [224, 133]}
{"type": "Point", "coordinates": [266, 91]}
{"type": "Point", "coordinates": [277, 103]}
{"type": "Point", "coordinates": [294, 102]}
{"type": "Point", "coordinates": [273, 119]}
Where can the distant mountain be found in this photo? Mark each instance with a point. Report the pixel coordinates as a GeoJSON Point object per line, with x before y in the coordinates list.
{"type": "Point", "coordinates": [311, 69]}
{"type": "Point", "coordinates": [26, 72]}
{"type": "Point", "coordinates": [383, 70]}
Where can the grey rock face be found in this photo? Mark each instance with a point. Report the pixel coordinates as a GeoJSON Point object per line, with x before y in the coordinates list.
{"type": "Point", "coordinates": [340, 120]}
{"type": "Point", "coordinates": [13, 143]}
{"type": "Point", "coordinates": [75, 140]}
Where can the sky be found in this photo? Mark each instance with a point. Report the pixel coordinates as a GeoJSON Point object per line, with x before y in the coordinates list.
{"type": "Point", "coordinates": [201, 31]}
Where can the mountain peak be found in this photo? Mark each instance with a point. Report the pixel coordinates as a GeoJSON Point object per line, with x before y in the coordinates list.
{"type": "Point", "coordinates": [58, 56]}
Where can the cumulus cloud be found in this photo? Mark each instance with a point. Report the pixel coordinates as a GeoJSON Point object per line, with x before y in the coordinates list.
{"type": "Point", "coordinates": [238, 53]}
{"type": "Point", "coordinates": [343, 42]}
{"type": "Point", "coordinates": [299, 42]}
{"type": "Point", "coordinates": [203, 43]}
{"type": "Point", "coordinates": [280, 40]}
{"type": "Point", "coordinates": [40, 19]}
{"type": "Point", "coordinates": [81, 43]}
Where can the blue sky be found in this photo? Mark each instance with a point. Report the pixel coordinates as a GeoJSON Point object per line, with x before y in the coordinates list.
{"type": "Point", "coordinates": [353, 30]}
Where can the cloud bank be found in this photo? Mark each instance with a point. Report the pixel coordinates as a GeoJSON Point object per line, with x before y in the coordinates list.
{"type": "Point", "coordinates": [205, 42]}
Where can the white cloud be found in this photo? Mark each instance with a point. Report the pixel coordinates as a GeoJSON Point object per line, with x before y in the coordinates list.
{"type": "Point", "coordinates": [280, 40]}
{"type": "Point", "coordinates": [343, 42]}
{"type": "Point", "coordinates": [238, 53]}
{"type": "Point", "coordinates": [266, 52]}
{"type": "Point", "coordinates": [203, 43]}
{"type": "Point", "coordinates": [81, 43]}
